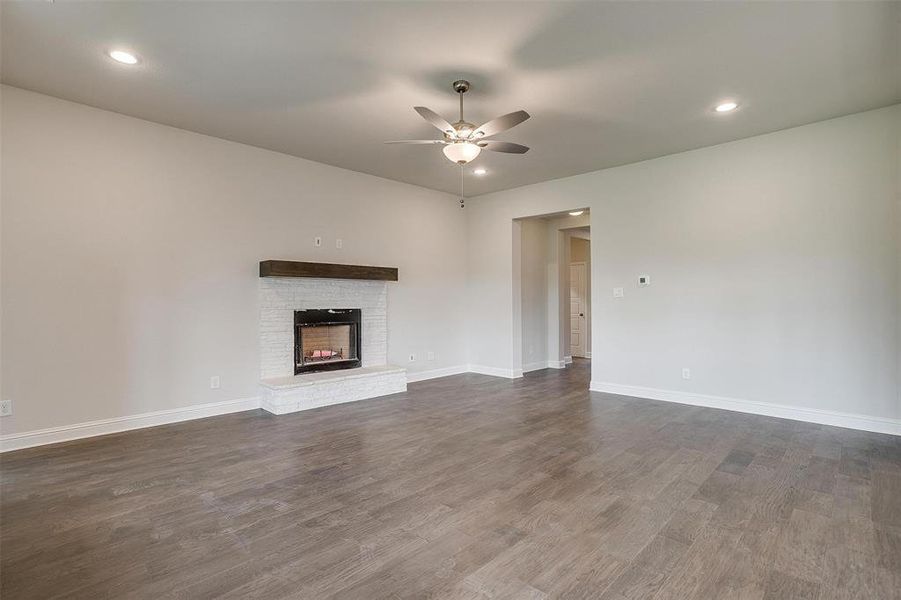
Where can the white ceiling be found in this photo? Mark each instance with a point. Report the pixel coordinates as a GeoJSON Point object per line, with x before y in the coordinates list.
{"type": "Point", "coordinates": [606, 83]}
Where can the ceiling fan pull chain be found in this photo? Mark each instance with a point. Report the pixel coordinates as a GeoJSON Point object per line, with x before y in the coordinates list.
{"type": "Point", "coordinates": [462, 178]}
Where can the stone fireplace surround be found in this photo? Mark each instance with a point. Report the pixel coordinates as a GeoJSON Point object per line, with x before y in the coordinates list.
{"type": "Point", "coordinates": [282, 391]}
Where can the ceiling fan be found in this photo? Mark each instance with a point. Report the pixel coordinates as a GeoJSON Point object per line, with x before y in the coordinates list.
{"type": "Point", "coordinates": [464, 141]}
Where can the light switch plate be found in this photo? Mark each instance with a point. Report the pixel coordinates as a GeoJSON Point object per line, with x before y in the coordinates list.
{"type": "Point", "coordinates": [617, 292]}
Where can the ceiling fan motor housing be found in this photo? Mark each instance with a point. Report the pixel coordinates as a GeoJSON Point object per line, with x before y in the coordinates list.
{"type": "Point", "coordinates": [461, 86]}
{"type": "Point", "coordinates": [462, 130]}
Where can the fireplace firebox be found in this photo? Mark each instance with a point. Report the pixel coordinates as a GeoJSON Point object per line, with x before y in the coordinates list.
{"type": "Point", "coordinates": [327, 339]}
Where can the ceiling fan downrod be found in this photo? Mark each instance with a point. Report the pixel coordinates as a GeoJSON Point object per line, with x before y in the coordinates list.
{"type": "Point", "coordinates": [461, 86]}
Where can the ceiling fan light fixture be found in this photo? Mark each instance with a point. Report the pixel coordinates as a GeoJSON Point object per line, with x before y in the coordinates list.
{"type": "Point", "coordinates": [461, 152]}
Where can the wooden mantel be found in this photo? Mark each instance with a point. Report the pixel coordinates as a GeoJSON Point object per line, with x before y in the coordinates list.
{"type": "Point", "coordinates": [290, 268]}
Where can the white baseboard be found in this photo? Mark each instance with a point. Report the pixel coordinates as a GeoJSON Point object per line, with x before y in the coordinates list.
{"type": "Point", "coordinates": [433, 373]}
{"type": "Point", "coordinates": [567, 360]}
{"type": "Point", "coordinates": [535, 366]}
{"type": "Point", "coordinates": [496, 372]}
{"type": "Point", "coordinates": [795, 413]}
{"type": "Point", "coordinates": [66, 433]}
{"type": "Point", "coordinates": [77, 431]}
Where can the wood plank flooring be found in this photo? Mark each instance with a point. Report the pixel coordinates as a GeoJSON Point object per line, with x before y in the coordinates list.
{"type": "Point", "coordinates": [465, 487]}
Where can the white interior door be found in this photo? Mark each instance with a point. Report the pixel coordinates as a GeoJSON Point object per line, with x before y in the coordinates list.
{"type": "Point", "coordinates": [577, 307]}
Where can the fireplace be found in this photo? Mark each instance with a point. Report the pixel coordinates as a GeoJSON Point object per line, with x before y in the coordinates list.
{"type": "Point", "coordinates": [327, 339]}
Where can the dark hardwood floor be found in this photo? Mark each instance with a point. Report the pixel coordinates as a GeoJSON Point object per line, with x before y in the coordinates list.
{"type": "Point", "coordinates": [464, 487]}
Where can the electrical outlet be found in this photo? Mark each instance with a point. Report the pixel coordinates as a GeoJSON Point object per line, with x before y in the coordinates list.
{"type": "Point", "coordinates": [686, 373]}
{"type": "Point", "coordinates": [617, 292]}
{"type": "Point", "coordinates": [412, 358]}
{"type": "Point", "coordinates": [214, 382]}
{"type": "Point", "coordinates": [339, 243]}
{"type": "Point", "coordinates": [431, 356]}
{"type": "Point", "coordinates": [317, 241]}
{"type": "Point", "coordinates": [6, 408]}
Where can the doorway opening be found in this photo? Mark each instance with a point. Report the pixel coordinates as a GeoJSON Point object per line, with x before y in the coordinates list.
{"type": "Point", "coordinates": [580, 292]}
{"type": "Point", "coordinates": [551, 290]}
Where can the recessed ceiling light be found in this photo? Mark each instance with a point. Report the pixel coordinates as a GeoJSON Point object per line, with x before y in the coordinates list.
{"type": "Point", "coordinates": [576, 213]}
{"type": "Point", "coordinates": [126, 58]}
{"type": "Point", "coordinates": [726, 107]}
{"type": "Point", "coordinates": [479, 172]}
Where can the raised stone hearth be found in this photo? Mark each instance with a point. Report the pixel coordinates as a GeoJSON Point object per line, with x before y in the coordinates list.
{"type": "Point", "coordinates": [284, 392]}
{"type": "Point", "coordinates": [312, 390]}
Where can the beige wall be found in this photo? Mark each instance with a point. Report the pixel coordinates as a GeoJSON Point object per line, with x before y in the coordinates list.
{"type": "Point", "coordinates": [774, 263]}
{"type": "Point", "coordinates": [534, 292]}
{"type": "Point", "coordinates": [130, 253]}
{"type": "Point", "coordinates": [130, 250]}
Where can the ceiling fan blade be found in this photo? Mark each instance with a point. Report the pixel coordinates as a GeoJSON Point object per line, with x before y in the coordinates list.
{"type": "Point", "coordinates": [497, 146]}
{"type": "Point", "coordinates": [416, 142]}
{"type": "Point", "coordinates": [502, 123]}
{"type": "Point", "coordinates": [435, 119]}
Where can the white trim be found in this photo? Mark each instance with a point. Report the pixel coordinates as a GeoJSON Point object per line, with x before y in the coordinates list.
{"type": "Point", "coordinates": [556, 364]}
{"type": "Point", "coordinates": [795, 413]}
{"type": "Point", "coordinates": [65, 433]}
{"type": "Point", "coordinates": [53, 435]}
{"type": "Point", "coordinates": [496, 372]}
{"type": "Point", "coordinates": [567, 360]}
{"type": "Point", "coordinates": [588, 355]}
{"type": "Point", "coordinates": [434, 373]}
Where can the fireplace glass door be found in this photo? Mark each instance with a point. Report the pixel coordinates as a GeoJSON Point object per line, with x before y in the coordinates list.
{"type": "Point", "coordinates": [326, 340]}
